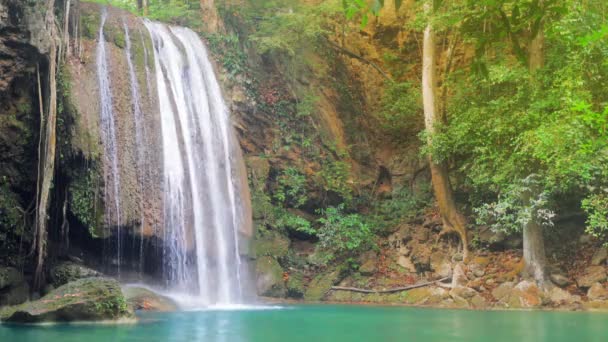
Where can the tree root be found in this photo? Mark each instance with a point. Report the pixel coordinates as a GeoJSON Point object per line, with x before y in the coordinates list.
{"type": "Point", "coordinates": [396, 289]}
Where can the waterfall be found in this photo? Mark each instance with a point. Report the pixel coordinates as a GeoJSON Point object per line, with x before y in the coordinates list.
{"type": "Point", "coordinates": [201, 199]}
{"type": "Point", "coordinates": [108, 138]}
{"type": "Point", "coordinates": [139, 139]}
{"type": "Point", "coordinates": [172, 143]}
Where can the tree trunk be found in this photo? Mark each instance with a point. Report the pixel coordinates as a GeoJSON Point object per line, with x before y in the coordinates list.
{"type": "Point", "coordinates": [211, 19]}
{"type": "Point", "coordinates": [48, 168]}
{"type": "Point", "coordinates": [535, 261]}
{"type": "Point", "coordinates": [452, 219]}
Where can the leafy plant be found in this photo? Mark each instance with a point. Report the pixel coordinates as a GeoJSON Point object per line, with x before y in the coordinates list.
{"type": "Point", "coordinates": [341, 235]}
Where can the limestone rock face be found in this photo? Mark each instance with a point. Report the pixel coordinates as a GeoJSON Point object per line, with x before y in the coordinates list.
{"type": "Point", "coordinates": [24, 38]}
{"type": "Point", "coordinates": [89, 299]}
{"type": "Point", "coordinates": [592, 275]}
{"type": "Point", "coordinates": [269, 281]}
{"type": "Point", "coordinates": [271, 244]}
{"type": "Point", "coordinates": [559, 296]}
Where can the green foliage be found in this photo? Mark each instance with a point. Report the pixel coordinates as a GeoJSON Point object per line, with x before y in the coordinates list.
{"type": "Point", "coordinates": [387, 213]}
{"type": "Point", "coordinates": [230, 53]}
{"type": "Point", "coordinates": [400, 113]}
{"type": "Point", "coordinates": [11, 226]}
{"type": "Point", "coordinates": [83, 202]}
{"type": "Point", "coordinates": [596, 207]}
{"type": "Point", "coordinates": [291, 190]}
{"type": "Point", "coordinates": [342, 235]}
{"type": "Point", "coordinates": [517, 206]}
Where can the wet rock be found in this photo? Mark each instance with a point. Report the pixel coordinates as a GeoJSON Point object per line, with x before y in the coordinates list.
{"type": "Point", "coordinates": [269, 281]}
{"type": "Point", "coordinates": [66, 272]}
{"type": "Point", "coordinates": [320, 285]}
{"type": "Point", "coordinates": [140, 298]}
{"type": "Point", "coordinates": [89, 299]}
{"type": "Point", "coordinates": [597, 292]}
{"type": "Point", "coordinates": [592, 275]}
{"type": "Point", "coordinates": [271, 244]}
{"type": "Point", "coordinates": [559, 280]}
{"type": "Point", "coordinates": [599, 257]}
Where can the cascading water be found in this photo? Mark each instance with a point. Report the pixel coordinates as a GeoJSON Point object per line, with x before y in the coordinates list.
{"type": "Point", "coordinates": [139, 139]}
{"type": "Point", "coordinates": [201, 202]}
{"type": "Point", "coordinates": [108, 138]}
{"type": "Point", "coordinates": [189, 146]}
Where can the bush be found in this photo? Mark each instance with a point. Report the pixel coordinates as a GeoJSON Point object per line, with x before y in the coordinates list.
{"type": "Point", "coordinates": [342, 235]}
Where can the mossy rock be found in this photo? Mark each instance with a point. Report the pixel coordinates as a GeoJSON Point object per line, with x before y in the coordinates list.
{"type": "Point", "coordinates": [295, 285]}
{"type": "Point", "coordinates": [66, 272]}
{"type": "Point", "coordinates": [271, 244]}
{"type": "Point", "coordinates": [141, 298]}
{"type": "Point", "coordinates": [89, 299]}
{"type": "Point", "coordinates": [417, 296]}
{"type": "Point", "coordinates": [90, 25]}
{"type": "Point", "coordinates": [269, 278]}
{"type": "Point", "coordinates": [320, 285]}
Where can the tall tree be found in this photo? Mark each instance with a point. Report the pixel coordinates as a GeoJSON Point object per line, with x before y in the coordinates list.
{"type": "Point", "coordinates": [452, 219]}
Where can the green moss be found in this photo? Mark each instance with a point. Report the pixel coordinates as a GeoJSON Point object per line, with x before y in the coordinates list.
{"type": "Point", "coordinates": [84, 299]}
{"type": "Point", "coordinates": [295, 285]}
{"type": "Point", "coordinates": [90, 25]}
{"type": "Point", "coordinates": [85, 202]}
{"type": "Point", "coordinates": [270, 243]}
{"type": "Point", "coordinates": [270, 277]}
{"type": "Point", "coordinates": [320, 285]}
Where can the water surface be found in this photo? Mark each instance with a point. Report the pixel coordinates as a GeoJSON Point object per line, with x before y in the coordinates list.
{"type": "Point", "coordinates": [332, 323]}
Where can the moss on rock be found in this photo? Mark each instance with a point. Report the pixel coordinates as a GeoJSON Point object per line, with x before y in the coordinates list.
{"type": "Point", "coordinates": [89, 299]}
{"type": "Point", "coordinates": [269, 280]}
{"type": "Point", "coordinates": [270, 243]}
{"type": "Point", "coordinates": [320, 285]}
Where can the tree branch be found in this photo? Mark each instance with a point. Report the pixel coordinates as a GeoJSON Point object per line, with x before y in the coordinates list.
{"type": "Point", "coordinates": [351, 54]}
{"type": "Point", "coordinates": [396, 289]}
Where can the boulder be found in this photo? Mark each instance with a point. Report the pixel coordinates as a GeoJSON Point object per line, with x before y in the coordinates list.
{"type": "Point", "coordinates": [592, 275]}
{"type": "Point", "coordinates": [599, 257]}
{"type": "Point", "coordinates": [597, 292]}
{"type": "Point", "coordinates": [463, 292]}
{"type": "Point", "coordinates": [89, 299]}
{"type": "Point", "coordinates": [406, 263]}
{"type": "Point", "coordinates": [9, 276]}
{"type": "Point", "coordinates": [140, 298]}
{"type": "Point", "coordinates": [525, 295]}
{"type": "Point", "coordinates": [295, 285]}
{"type": "Point", "coordinates": [269, 277]}
{"type": "Point", "coordinates": [559, 280]}
{"type": "Point", "coordinates": [503, 291]}
{"type": "Point", "coordinates": [478, 302]}
{"type": "Point", "coordinates": [559, 296]}
{"type": "Point", "coordinates": [68, 271]}
{"type": "Point", "coordinates": [369, 268]}
{"type": "Point", "coordinates": [15, 294]}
